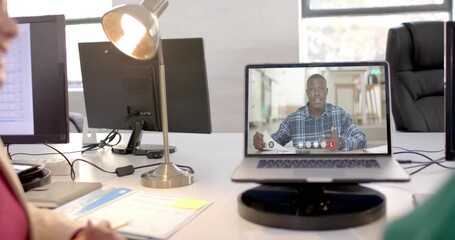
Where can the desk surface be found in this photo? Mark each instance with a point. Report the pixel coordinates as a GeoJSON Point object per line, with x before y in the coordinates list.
{"type": "Point", "coordinates": [215, 156]}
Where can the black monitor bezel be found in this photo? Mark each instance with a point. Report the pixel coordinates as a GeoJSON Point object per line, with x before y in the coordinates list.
{"type": "Point", "coordinates": [449, 90]}
{"type": "Point", "coordinates": [47, 78]}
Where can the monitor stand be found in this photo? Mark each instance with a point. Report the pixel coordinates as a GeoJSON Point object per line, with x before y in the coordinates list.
{"type": "Point", "coordinates": [312, 206]}
{"type": "Point", "coordinates": [134, 144]}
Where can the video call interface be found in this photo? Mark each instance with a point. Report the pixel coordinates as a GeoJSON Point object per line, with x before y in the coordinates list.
{"type": "Point", "coordinates": [278, 96]}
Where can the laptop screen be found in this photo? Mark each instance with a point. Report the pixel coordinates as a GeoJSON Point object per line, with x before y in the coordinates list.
{"type": "Point", "coordinates": [317, 108]}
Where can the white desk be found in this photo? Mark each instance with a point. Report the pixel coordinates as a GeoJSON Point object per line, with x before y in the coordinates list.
{"type": "Point", "coordinates": [214, 157]}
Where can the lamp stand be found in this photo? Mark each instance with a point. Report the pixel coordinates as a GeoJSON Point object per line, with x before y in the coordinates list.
{"type": "Point", "coordinates": [166, 175]}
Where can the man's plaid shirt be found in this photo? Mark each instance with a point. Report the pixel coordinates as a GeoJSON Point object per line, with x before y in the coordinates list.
{"type": "Point", "coordinates": [300, 127]}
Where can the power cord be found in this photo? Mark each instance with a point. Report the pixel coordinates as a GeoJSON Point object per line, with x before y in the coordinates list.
{"type": "Point", "coordinates": [91, 147]}
{"type": "Point", "coordinates": [424, 151]}
{"type": "Point", "coordinates": [72, 173]}
{"type": "Point", "coordinates": [43, 154]}
{"type": "Point", "coordinates": [125, 170]}
{"type": "Point", "coordinates": [422, 165]}
{"type": "Point", "coordinates": [425, 165]}
{"type": "Point", "coordinates": [120, 171]}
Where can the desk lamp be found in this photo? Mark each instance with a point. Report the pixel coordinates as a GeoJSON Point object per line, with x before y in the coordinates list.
{"type": "Point", "coordinates": [134, 30]}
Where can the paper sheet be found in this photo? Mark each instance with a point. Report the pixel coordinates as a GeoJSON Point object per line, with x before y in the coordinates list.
{"type": "Point", "coordinates": [380, 149]}
{"type": "Point", "coordinates": [272, 145]}
{"type": "Point", "coordinates": [147, 215]}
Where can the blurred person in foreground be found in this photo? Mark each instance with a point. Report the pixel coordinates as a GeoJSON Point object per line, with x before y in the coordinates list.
{"type": "Point", "coordinates": [20, 220]}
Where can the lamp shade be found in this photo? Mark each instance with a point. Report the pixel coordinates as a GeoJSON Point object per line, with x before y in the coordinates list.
{"type": "Point", "coordinates": [134, 30]}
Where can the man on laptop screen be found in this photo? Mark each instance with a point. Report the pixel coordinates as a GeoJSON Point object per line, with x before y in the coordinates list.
{"type": "Point", "coordinates": [317, 124]}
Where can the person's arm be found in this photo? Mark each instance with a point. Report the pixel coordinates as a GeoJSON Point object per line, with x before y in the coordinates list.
{"type": "Point", "coordinates": [283, 135]}
{"type": "Point", "coordinates": [102, 230]}
{"type": "Point", "coordinates": [50, 225]}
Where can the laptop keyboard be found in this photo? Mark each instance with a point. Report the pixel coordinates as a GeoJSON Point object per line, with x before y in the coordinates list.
{"type": "Point", "coordinates": [319, 163]}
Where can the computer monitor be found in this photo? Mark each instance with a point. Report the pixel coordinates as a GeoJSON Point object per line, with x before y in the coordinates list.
{"type": "Point", "coordinates": [34, 100]}
{"type": "Point", "coordinates": [449, 79]}
{"type": "Point", "coordinates": [123, 93]}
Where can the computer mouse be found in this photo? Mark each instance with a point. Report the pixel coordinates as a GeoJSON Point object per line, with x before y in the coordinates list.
{"type": "Point", "coordinates": [154, 154]}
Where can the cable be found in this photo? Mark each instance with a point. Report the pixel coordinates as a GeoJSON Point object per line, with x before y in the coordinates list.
{"type": "Point", "coordinates": [149, 165]}
{"type": "Point", "coordinates": [125, 170]}
{"type": "Point", "coordinates": [43, 154]}
{"type": "Point", "coordinates": [432, 161]}
{"type": "Point", "coordinates": [72, 173]}
{"type": "Point", "coordinates": [402, 161]}
{"type": "Point", "coordinates": [7, 151]}
{"type": "Point", "coordinates": [425, 151]}
{"type": "Point", "coordinates": [40, 154]}
{"type": "Point", "coordinates": [105, 142]}
{"type": "Point", "coordinates": [110, 137]}
{"type": "Point", "coordinates": [120, 171]}
{"type": "Point", "coordinates": [422, 165]}
{"type": "Point", "coordinates": [92, 164]}
{"type": "Point", "coordinates": [417, 153]}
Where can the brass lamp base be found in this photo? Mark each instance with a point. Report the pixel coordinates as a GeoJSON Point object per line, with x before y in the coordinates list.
{"type": "Point", "coordinates": [167, 175]}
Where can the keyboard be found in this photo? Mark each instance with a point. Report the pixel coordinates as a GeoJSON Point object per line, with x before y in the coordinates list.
{"type": "Point", "coordinates": [319, 163]}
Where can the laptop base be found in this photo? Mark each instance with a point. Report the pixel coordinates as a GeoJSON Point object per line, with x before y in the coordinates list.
{"type": "Point", "coordinates": [312, 206]}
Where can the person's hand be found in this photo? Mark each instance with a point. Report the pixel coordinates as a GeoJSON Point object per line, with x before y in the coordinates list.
{"type": "Point", "coordinates": [258, 141]}
{"type": "Point", "coordinates": [100, 231]}
{"type": "Point", "coordinates": [333, 137]}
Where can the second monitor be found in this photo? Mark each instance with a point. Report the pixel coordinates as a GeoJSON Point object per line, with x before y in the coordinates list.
{"type": "Point", "coordinates": [123, 93]}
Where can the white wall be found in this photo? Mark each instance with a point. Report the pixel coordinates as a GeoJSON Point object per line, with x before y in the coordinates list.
{"type": "Point", "coordinates": [235, 33]}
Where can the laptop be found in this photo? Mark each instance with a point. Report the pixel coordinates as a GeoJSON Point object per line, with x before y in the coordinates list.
{"type": "Point", "coordinates": [350, 142]}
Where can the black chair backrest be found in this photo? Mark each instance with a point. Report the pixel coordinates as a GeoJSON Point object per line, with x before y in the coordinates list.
{"type": "Point", "coordinates": [415, 52]}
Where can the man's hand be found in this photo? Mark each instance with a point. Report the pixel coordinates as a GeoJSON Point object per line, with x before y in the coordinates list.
{"type": "Point", "coordinates": [333, 137]}
{"type": "Point", "coordinates": [258, 141]}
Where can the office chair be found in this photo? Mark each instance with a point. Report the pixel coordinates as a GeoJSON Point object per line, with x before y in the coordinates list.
{"type": "Point", "coordinates": [415, 52]}
{"type": "Point", "coordinates": [77, 119]}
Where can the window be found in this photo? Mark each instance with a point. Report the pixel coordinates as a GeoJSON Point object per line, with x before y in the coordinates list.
{"type": "Point", "coordinates": [338, 30]}
{"type": "Point", "coordinates": [83, 25]}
